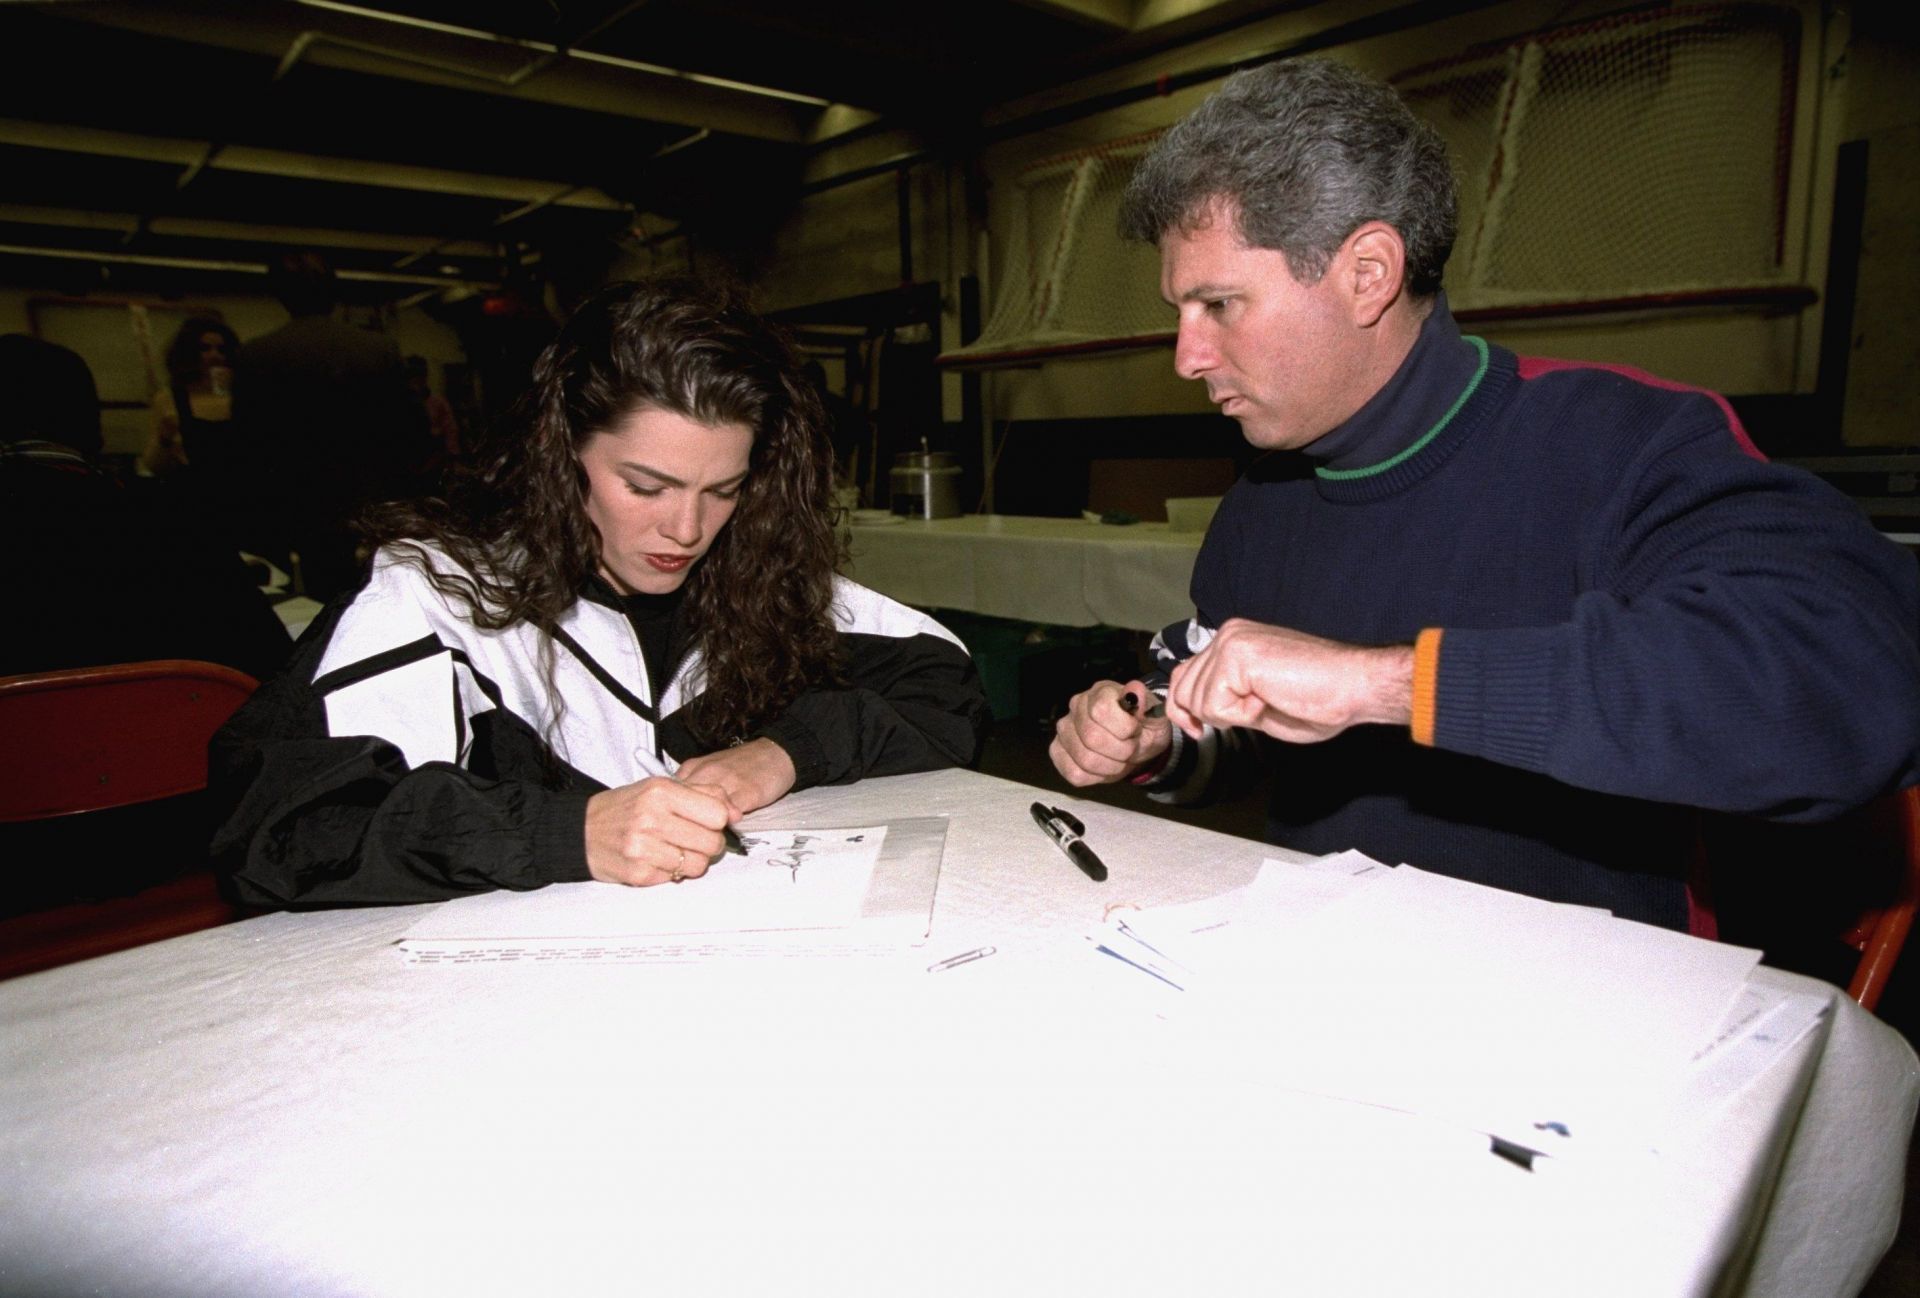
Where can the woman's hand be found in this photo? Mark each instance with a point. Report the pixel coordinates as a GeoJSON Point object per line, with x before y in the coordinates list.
{"type": "Point", "coordinates": [752, 775]}
{"type": "Point", "coordinates": [657, 831]}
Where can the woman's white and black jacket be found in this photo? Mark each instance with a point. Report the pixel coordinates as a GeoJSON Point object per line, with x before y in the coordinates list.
{"type": "Point", "coordinates": [407, 755]}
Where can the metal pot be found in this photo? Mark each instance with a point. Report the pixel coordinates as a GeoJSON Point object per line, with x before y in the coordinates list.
{"type": "Point", "coordinates": [926, 484]}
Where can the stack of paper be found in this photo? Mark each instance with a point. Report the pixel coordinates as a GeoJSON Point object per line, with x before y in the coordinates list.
{"type": "Point", "coordinates": [795, 891]}
{"type": "Point", "coordinates": [1552, 1027]}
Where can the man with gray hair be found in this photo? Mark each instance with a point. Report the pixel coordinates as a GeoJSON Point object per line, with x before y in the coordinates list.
{"type": "Point", "coordinates": [1507, 619]}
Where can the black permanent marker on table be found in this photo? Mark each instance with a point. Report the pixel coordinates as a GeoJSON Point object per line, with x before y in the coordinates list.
{"type": "Point", "coordinates": [1065, 831]}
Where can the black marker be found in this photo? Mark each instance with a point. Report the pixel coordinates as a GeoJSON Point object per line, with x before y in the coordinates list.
{"type": "Point", "coordinates": [733, 845]}
{"type": "Point", "coordinates": [1065, 830]}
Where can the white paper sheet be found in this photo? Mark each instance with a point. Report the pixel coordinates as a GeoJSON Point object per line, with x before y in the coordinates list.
{"type": "Point", "coordinates": [1554, 1027]}
{"type": "Point", "coordinates": [1180, 947]}
{"type": "Point", "coordinates": [794, 892]}
{"type": "Point", "coordinates": [1761, 1028]}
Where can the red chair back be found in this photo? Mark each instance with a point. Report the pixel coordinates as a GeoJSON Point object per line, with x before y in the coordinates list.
{"type": "Point", "coordinates": [1886, 836]}
{"type": "Point", "coordinates": [98, 737]}
{"type": "Point", "coordinates": [95, 738]}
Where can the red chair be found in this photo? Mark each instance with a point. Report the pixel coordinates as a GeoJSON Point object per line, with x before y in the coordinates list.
{"type": "Point", "coordinates": [1890, 832]}
{"type": "Point", "coordinates": [1882, 930]}
{"type": "Point", "coordinates": [95, 738]}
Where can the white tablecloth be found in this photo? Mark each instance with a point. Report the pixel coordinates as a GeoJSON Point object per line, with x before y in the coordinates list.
{"type": "Point", "coordinates": [283, 1107]}
{"type": "Point", "coordinates": [1061, 571]}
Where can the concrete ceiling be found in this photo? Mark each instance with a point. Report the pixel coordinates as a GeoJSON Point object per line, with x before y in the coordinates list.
{"type": "Point", "coordinates": [172, 146]}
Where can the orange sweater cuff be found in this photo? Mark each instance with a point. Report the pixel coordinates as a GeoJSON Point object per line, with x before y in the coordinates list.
{"type": "Point", "coordinates": [1426, 682]}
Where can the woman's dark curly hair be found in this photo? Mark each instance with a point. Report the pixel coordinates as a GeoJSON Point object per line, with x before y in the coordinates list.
{"type": "Point", "coordinates": [183, 353]}
{"type": "Point", "coordinates": [760, 602]}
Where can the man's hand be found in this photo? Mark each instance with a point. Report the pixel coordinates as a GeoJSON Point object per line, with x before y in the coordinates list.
{"type": "Point", "coordinates": [1099, 741]}
{"type": "Point", "coordinates": [752, 775]}
{"type": "Point", "coordinates": [656, 831]}
{"type": "Point", "coordinates": [1290, 685]}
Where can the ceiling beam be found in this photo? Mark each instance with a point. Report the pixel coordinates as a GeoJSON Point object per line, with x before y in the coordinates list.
{"type": "Point", "coordinates": [211, 265]}
{"type": "Point", "coordinates": [292, 236]}
{"type": "Point", "coordinates": [250, 159]}
{"type": "Point", "coordinates": [359, 39]}
{"type": "Point", "coordinates": [1103, 15]}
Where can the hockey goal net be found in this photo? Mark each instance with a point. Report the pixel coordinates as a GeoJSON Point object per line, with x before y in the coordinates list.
{"type": "Point", "coordinates": [1067, 283]}
{"type": "Point", "coordinates": [1639, 160]}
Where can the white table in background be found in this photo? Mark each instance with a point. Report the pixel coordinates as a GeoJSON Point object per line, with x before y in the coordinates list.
{"type": "Point", "coordinates": [1060, 571]}
{"type": "Point", "coordinates": [282, 1106]}
{"type": "Point", "coordinates": [295, 612]}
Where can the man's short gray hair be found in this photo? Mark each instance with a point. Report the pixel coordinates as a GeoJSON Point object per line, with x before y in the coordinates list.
{"type": "Point", "coordinates": [1307, 151]}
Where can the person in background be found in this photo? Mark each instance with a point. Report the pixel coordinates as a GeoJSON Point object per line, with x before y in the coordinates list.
{"type": "Point", "coordinates": [197, 457]}
{"type": "Point", "coordinates": [1508, 619]}
{"type": "Point", "coordinates": [328, 408]}
{"type": "Point", "coordinates": [196, 406]}
{"type": "Point", "coordinates": [846, 425]}
{"type": "Point", "coordinates": [99, 572]}
{"type": "Point", "coordinates": [441, 422]}
{"type": "Point", "coordinates": [621, 631]}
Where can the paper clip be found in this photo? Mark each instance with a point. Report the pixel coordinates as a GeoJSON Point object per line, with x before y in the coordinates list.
{"type": "Point", "coordinates": [965, 957]}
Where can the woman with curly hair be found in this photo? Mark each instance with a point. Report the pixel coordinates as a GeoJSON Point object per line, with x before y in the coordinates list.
{"type": "Point", "coordinates": [619, 634]}
{"type": "Point", "coordinates": [196, 406]}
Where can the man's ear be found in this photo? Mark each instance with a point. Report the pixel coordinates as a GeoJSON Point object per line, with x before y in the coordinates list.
{"type": "Point", "coordinates": [1373, 268]}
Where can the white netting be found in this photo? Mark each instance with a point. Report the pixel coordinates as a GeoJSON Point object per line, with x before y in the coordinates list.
{"type": "Point", "coordinates": [1624, 159]}
{"type": "Point", "coordinates": [1067, 279]}
{"type": "Point", "coordinates": [1638, 156]}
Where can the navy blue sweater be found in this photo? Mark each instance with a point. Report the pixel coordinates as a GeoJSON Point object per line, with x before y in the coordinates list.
{"type": "Point", "coordinates": [1627, 612]}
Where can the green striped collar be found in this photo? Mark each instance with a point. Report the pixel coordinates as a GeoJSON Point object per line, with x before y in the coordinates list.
{"type": "Point", "coordinates": [1473, 384]}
